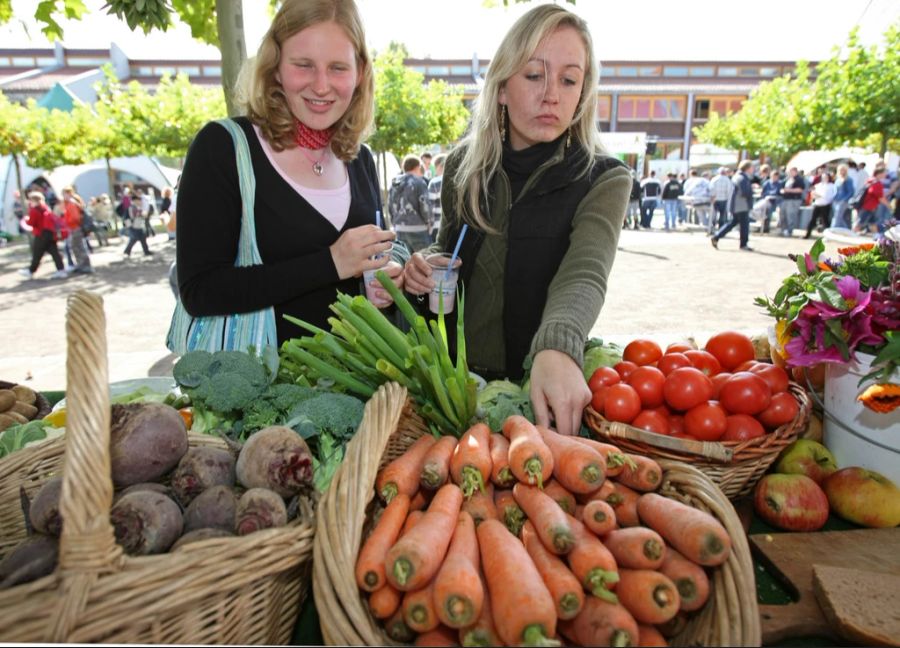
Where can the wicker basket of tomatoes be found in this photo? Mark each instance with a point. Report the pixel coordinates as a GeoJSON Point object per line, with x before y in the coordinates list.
{"type": "Point", "coordinates": [718, 409]}
{"type": "Point", "coordinates": [406, 544]}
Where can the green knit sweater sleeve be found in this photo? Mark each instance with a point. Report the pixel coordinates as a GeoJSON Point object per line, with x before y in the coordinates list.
{"type": "Point", "coordinates": [577, 291]}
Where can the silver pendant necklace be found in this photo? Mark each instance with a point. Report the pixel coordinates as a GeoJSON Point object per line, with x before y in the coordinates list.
{"type": "Point", "coordinates": [317, 166]}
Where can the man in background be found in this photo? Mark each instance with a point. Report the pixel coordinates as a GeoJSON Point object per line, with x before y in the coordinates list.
{"type": "Point", "coordinates": [434, 195]}
{"type": "Point", "coordinates": [408, 205]}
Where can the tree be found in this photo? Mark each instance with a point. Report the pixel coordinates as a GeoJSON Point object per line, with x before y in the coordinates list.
{"type": "Point", "coordinates": [409, 114]}
{"type": "Point", "coordinates": [857, 93]}
{"type": "Point", "coordinates": [216, 22]}
{"type": "Point", "coordinates": [18, 126]}
{"type": "Point", "coordinates": [773, 120]}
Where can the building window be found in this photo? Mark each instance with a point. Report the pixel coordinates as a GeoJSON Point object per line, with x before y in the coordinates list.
{"type": "Point", "coordinates": [701, 109]}
{"type": "Point", "coordinates": [143, 71]}
{"type": "Point", "coordinates": [625, 71]}
{"type": "Point", "coordinates": [651, 70]}
{"type": "Point", "coordinates": [484, 68]}
{"type": "Point", "coordinates": [86, 62]}
{"type": "Point", "coordinates": [4, 61]}
{"type": "Point", "coordinates": [670, 150]}
{"type": "Point", "coordinates": [461, 70]}
{"type": "Point", "coordinates": [749, 71]}
{"type": "Point", "coordinates": [417, 68]}
{"type": "Point", "coordinates": [603, 106]}
{"type": "Point", "coordinates": [638, 108]}
{"type": "Point", "coordinates": [212, 70]}
{"type": "Point", "coordinates": [159, 70]}
{"type": "Point", "coordinates": [769, 71]}
{"type": "Point", "coordinates": [703, 71]}
{"type": "Point", "coordinates": [21, 61]}
{"type": "Point", "coordinates": [675, 71]}
{"type": "Point", "coordinates": [727, 71]}
{"type": "Point", "coordinates": [46, 61]}
{"type": "Point", "coordinates": [438, 70]}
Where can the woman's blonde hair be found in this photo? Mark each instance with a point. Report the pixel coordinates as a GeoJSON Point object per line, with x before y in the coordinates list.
{"type": "Point", "coordinates": [262, 97]}
{"type": "Point", "coordinates": [483, 143]}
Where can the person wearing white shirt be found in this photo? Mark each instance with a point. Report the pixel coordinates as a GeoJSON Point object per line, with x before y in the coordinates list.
{"type": "Point", "coordinates": [697, 187]}
{"type": "Point", "coordinates": [823, 195]}
{"type": "Point", "coordinates": [720, 189]}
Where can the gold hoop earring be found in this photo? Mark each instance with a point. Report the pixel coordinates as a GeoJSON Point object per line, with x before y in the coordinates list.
{"type": "Point", "coordinates": [569, 137]}
{"type": "Point", "coordinates": [503, 123]}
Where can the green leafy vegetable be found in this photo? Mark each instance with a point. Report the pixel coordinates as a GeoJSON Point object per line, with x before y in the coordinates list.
{"type": "Point", "coordinates": [19, 436]}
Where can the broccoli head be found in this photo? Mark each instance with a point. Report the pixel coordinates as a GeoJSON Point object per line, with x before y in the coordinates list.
{"type": "Point", "coordinates": [224, 381]}
{"type": "Point", "coordinates": [332, 413]}
{"type": "Point", "coordinates": [192, 368]}
{"type": "Point", "coordinates": [273, 406]}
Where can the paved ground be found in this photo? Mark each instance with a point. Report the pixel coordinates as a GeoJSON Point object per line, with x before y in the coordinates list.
{"type": "Point", "coordinates": [663, 285]}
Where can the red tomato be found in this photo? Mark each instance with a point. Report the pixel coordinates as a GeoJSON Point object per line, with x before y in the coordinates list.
{"type": "Point", "coordinates": [672, 361]}
{"type": "Point", "coordinates": [676, 424]}
{"type": "Point", "coordinates": [662, 409]}
{"type": "Point", "coordinates": [652, 421]}
{"type": "Point", "coordinates": [741, 427]}
{"type": "Point", "coordinates": [687, 387]}
{"type": "Point", "coordinates": [746, 366]}
{"type": "Point", "coordinates": [718, 380]}
{"type": "Point", "coordinates": [603, 377]}
{"type": "Point", "coordinates": [815, 375]}
{"type": "Point", "coordinates": [745, 393]}
{"type": "Point", "coordinates": [624, 368]}
{"type": "Point", "coordinates": [704, 361]}
{"type": "Point", "coordinates": [731, 349]}
{"type": "Point", "coordinates": [642, 352]}
{"type": "Point", "coordinates": [782, 409]}
{"type": "Point", "coordinates": [706, 421]}
{"type": "Point", "coordinates": [680, 347]}
{"type": "Point", "coordinates": [622, 403]}
{"type": "Point", "coordinates": [776, 377]}
{"type": "Point", "coordinates": [648, 383]}
{"type": "Point", "coordinates": [597, 398]}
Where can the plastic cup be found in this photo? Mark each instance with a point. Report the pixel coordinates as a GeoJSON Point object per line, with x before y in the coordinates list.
{"type": "Point", "coordinates": [369, 278]}
{"type": "Point", "coordinates": [444, 280]}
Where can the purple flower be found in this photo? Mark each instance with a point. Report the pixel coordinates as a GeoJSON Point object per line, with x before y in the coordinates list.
{"type": "Point", "coordinates": [810, 264]}
{"type": "Point", "coordinates": [855, 299]}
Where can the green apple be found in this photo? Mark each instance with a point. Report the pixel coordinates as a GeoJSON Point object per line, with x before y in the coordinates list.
{"type": "Point", "coordinates": [863, 496]}
{"type": "Point", "coordinates": [806, 457]}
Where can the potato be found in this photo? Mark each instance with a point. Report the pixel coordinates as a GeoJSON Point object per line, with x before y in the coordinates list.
{"type": "Point", "coordinates": [15, 416]}
{"type": "Point", "coordinates": [26, 410]}
{"type": "Point", "coordinates": [6, 421]}
{"type": "Point", "coordinates": [25, 394]}
{"type": "Point", "coordinates": [7, 399]}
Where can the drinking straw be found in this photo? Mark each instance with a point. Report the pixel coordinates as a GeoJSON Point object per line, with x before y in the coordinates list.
{"type": "Point", "coordinates": [378, 219]}
{"type": "Point", "coordinates": [453, 256]}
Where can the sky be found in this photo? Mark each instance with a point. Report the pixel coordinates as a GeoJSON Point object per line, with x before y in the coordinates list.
{"type": "Point", "coordinates": [621, 30]}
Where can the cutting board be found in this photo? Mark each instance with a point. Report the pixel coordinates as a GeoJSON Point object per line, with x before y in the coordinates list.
{"type": "Point", "coordinates": [791, 556]}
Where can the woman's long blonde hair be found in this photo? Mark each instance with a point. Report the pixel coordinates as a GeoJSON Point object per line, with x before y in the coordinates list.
{"type": "Point", "coordinates": [262, 97]}
{"type": "Point", "coordinates": [483, 144]}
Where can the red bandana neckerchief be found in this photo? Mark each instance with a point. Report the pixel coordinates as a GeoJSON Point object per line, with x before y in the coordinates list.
{"type": "Point", "coordinates": [309, 138]}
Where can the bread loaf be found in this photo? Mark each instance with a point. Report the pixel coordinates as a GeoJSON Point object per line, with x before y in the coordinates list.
{"type": "Point", "coordinates": [861, 606]}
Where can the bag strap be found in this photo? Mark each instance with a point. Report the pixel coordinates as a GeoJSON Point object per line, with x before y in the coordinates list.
{"type": "Point", "coordinates": [248, 251]}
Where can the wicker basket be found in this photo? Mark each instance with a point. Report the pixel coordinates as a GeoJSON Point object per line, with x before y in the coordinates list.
{"type": "Point", "coordinates": [41, 402]}
{"type": "Point", "coordinates": [243, 590]}
{"type": "Point", "coordinates": [734, 466]}
{"type": "Point", "coordinates": [347, 510]}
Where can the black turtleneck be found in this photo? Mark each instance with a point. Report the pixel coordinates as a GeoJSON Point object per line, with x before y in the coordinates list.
{"type": "Point", "coordinates": [519, 165]}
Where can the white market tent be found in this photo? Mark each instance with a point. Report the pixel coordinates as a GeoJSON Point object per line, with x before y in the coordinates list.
{"type": "Point", "coordinates": [810, 160]}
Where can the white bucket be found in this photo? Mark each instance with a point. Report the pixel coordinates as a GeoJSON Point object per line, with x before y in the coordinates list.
{"type": "Point", "coordinates": [859, 436]}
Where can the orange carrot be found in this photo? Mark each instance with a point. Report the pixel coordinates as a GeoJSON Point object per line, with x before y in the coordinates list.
{"type": "Point", "coordinates": [458, 591]}
{"type": "Point", "coordinates": [470, 465]}
{"type": "Point", "coordinates": [508, 511]}
{"type": "Point", "coordinates": [636, 547]}
{"type": "Point", "coordinates": [592, 563]}
{"type": "Point", "coordinates": [436, 466]}
{"type": "Point", "coordinates": [565, 589]}
{"type": "Point", "coordinates": [530, 460]}
{"type": "Point", "coordinates": [419, 501]}
{"type": "Point", "coordinates": [599, 517]}
{"type": "Point", "coordinates": [616, 459]}
{"type": "Point", "coordinates": [650, 637]}
{"type": "Point", "coordinates": [695, 533]}
{"type": "Point", "coordinates": [650, 596]}
{"type": "Point", "coordinates": [674, 626]}
{"type": "Point", "coordinates": [440, 636]}
{"type": "Point", "coordinates": [396, 628]}
{"type": "Point", "coordinates": [690, 579]}
{"type": "Point", "coordinates": [411, 520]}
{"type": "Point", "coordinates": [523, 609]}
{"type": "Point", "coordinates": [577, 467]}
{"type": "Point", "coordinates": [370, 563]}
{"type": "Point", "coordinates": [500, 473]}
{"type": "Point", "coordinates": [560, 495]}
{"type": "Point", "coordinates": [415, 558]}
{"type": "Point", "coordinates": [607, 489]}
{"type": "Point", "coordinates": [418, 609]}
{"type": "Point", "coordinates": [481, 505]}
{"type": "Point", "coordinates": [601, 623]}
{"type": "Point", "coordinates": [624, 502]}
{"type": "Point", "coordinates": [579, 513]}
{"type": "Point", "coordinates": [384, 602]}
{"type": "Point", "coordinates": [402, 474]}
{"type": "Point", "coordinates": [550, 521]}
{"type": "Point", "coordinates": [482, 632]}
{"type": "Point", "coordinates": [642, 474]}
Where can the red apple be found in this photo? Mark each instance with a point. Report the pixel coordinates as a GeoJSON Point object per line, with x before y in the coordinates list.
{"type": "Point", "coordinates": [864, 497]}
{"type": "Point", "coordinates": [806, 457]}
{"type": "Point", "coordinates": [791, 502]}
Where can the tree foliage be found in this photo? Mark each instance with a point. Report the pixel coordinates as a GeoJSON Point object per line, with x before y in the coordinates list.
{"type": "Point", "coordinates": [409, 114]}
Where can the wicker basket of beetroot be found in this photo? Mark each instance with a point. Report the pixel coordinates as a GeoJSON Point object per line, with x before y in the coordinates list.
{"type": "Point", "coordinates": [523, 538]}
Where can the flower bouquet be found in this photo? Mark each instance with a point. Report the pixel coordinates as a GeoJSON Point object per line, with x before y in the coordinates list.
{"type": "Point", "coordinates": [831, 309]}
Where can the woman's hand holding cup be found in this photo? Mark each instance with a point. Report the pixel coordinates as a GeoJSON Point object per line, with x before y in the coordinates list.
{"type": "Point", "coordinates": [418, 275]}
{"type": "Point", "coordinates": [357, 250]}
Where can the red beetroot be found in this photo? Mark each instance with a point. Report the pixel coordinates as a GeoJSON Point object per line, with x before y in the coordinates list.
{"type": "Point", "coordinates": [276, 458]}
{"type": "Point", "coordinates": [146, 441]}
{"type": "Point", "coordinates": [201, 468]}
{"type": "Point", "coordinates": [258, 509]}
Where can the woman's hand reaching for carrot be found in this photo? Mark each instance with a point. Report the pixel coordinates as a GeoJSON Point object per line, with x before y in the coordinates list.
{"type": "Point", "coordinates": [558, 386]}
{"type": "Point", "coordinates": [352, 252]}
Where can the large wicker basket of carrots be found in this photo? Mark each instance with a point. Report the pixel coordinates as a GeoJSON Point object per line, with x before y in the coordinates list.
{"type": "Point", "coordinates": [231, 590]}
{"type": "Point", "coordinates": [734, 466]}
{"type": "Point", "coordinates": [350, 511]}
